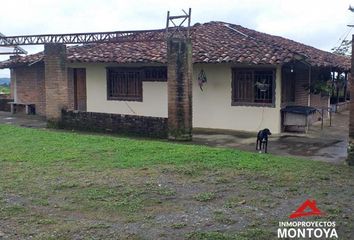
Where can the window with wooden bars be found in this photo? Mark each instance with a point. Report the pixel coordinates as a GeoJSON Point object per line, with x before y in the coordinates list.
{"type": "Point", "coordinates": [124, 84]}
{"type": "Point", "coordinates": [253, 87]}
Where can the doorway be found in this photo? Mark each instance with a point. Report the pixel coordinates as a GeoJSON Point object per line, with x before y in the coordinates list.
{"type": "Point", "coordinates": [80, 89]}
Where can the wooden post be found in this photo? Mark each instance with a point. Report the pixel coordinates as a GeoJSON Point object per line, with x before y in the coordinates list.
{"type": "Point", "coordinates": [322, 118]}
{"type": "Point", "coordinates": [350, 158]}
{"type": "Point", "coordinates": [346, 86]}
{"type": "Point", "coordinates": [337, 90]}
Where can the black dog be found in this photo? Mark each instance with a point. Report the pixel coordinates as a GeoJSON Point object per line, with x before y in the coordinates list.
{"type": "Point", "coordinates": [262, 139]}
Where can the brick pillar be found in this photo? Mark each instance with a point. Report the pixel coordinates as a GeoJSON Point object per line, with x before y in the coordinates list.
{"type": "Point", "coordinates": [179, 81]}
{"type": "Point", "coordinates": [350, 158]}
{"type": "Point", "coordinates": [56, 80]}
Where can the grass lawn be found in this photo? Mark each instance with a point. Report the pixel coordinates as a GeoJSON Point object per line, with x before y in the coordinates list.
{"type": "Point", "coordinates": [62, 185]}
{"type": "Point", "coordinates": [4, 89]}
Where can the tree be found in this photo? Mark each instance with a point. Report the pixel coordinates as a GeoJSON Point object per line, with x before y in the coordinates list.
{"type": "Point", "coordinates": [345, 48]}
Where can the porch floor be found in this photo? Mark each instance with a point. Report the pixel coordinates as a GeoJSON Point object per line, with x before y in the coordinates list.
{"type": "Point", "coordinates": [329, 144]}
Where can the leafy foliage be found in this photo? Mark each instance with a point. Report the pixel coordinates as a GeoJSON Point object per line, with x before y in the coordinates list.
{"type": "Point", "coordinates": [4, 89]}
{"type": "Point", "coordinates": [344, 49]}
{"type": "Point", "coordinates": [319, 87]}
{"type": "Point", "coordinates": [4, 85]}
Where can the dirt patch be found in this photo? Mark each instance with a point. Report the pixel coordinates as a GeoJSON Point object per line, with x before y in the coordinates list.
{"type": "Point", "coordinates": [162, 203]}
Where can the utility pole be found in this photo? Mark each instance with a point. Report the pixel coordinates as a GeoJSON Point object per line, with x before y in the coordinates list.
{"type": "Point", "coordinates": [350, 158]}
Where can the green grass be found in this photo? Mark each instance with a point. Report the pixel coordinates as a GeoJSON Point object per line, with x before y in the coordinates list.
{"type": "Point", "coordinates": [178, 225]}
{"type": "Point", "coordinates": [205, 196]}
{"type": "Point", "coordinates": [99, 152]}
{"type": "Point", "coordinates": [210, 236]}
{"type": "Point", "coordinates": [12, 211]}
{"type": "Point", "coordinates": [4, 89]}
{"type": "Point", "coordinates": [66, 184]}
{"type": "Point", "coordinates": [250, 234]}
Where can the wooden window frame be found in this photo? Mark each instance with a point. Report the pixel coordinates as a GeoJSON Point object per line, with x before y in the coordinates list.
{"type": "Point", "coordinates": [139, 95]}
{"type": "Point", "coordinates": [143, 77]}
{"type": "Point", "coordinates": [253, 103]}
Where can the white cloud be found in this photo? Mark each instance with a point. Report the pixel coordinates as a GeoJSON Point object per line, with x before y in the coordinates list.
{"type": "Point", "coordinates": [317, 23]}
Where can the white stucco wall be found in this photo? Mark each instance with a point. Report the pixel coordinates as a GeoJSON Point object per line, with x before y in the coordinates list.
{"type": "Point", "coordinates": [211, 107]}
{"type": "Point", "coordinates": [154, 95]}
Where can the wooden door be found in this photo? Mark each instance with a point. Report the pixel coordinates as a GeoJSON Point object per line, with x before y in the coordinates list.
{"type": "Point", "coordinates": [80, 89]}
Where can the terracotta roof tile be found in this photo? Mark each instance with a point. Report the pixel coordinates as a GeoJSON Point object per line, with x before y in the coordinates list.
{"type": "Point", "coordinates": [213, 42]}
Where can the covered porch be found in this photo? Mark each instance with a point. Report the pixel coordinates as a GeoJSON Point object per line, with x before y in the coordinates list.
{"type": "Point", "coordinates": [313, 88]}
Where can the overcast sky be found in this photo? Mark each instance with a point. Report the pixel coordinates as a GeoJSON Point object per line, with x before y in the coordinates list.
{"type": "Point", "coordinates": [319, 23]}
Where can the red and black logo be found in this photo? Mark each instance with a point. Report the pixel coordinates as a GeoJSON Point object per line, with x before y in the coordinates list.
{"type": "Point", "coordinates": [308, 208]}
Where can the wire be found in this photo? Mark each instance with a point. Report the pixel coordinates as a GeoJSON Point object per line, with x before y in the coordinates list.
{"type": "Point", "coordinates": [340, 38]}
{"type": "Point", "coordinates": [130, 108]}
{"type": "Point", "coordinates": [351, 28]}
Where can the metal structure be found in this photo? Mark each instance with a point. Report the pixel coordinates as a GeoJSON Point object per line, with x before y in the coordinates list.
{"type": "Point", "coordinates": [16, 49]}
{"type": "Point", "coordinates": [99, 37]}
{"type": "Point", "coordinates": [177, 28]}
{"type": "Point", "coordinates": [77, 38]}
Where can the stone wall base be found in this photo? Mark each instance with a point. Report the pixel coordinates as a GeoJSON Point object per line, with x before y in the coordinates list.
{"type": "Point", "coordinates": [155, 127]}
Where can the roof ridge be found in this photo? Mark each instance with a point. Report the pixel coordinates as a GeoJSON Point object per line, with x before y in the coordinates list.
{"type": "Point", "coordinates": [271, 35]}
{"type": "Point", "coordinates": [288, 40]}
{"type": "Point", "coordinates": [255, 38]}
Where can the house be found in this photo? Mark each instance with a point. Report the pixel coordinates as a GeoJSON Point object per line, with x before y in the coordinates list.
{"type": "Point", "coordinates": [250, 76]}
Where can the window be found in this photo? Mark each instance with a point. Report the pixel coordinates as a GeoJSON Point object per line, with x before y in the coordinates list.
{"type": "Point", "coordinates": [124, 84]}
{"type": "Point", "coordinates": [253, 87]}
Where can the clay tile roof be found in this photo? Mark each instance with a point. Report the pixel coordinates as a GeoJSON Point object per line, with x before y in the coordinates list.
{"type": "Point", "coordinates": [213, 42]}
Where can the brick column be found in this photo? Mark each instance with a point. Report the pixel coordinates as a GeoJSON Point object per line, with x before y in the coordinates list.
{"type": "Point", "coordinates": [56, 80]}
{"type": "Point", "coordinates": [350, 158]}
{"type": "Point", "coordinates": [179, 81]}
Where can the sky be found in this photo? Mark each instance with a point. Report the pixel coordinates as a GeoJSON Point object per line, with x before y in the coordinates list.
{"type": "Point", "coordinates": [319, 23]}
